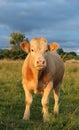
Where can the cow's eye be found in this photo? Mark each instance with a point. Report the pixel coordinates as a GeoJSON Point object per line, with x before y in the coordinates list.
{"type": "Point", "coordinates": [32, 50]}
{"type": "Point", "coordinates": [46, 50]}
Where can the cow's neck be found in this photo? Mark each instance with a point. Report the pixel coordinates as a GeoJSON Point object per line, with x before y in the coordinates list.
{"type": "Point", "coordinates": [37, 73]}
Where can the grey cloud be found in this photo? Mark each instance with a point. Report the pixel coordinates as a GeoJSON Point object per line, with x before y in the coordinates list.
{"type": "Point", "coordinates": [55, 20]}
{"type": "Point", "coordinates": [32, 16]}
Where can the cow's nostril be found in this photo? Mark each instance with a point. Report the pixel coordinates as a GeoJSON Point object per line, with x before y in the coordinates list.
{"type": "Point", "coordinates": [43, 62]}
{"type": "Point", "coordinates": [37, 62]}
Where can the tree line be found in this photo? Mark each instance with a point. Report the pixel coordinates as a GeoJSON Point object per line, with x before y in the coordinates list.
{"type": "Point", "coordinates": [15, 52]}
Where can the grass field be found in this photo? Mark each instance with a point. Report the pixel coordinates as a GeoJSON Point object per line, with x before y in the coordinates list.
{"type": "Point", "coordinates": [12, 102]}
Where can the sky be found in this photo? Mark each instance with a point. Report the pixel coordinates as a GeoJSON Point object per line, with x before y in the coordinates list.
{"type": "Point", "coordinates": [55, 20]}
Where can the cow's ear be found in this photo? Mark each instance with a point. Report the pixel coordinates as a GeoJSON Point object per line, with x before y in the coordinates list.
{"type": "Point", "coordinates": [53, 46]}
{"type": "Point", "coordinates": [25, 46]}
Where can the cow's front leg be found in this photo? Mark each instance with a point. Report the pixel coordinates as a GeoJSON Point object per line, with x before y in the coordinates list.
{"type": "Point", "coordinates": [28, 99]}
{"type": "Point", "coordinates": [45, 101]}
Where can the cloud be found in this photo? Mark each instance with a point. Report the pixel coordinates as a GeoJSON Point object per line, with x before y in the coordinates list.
{"type": "Point", "coordinates": [34, 16]}
{"type": "Point", "coordinates": [78, 50]}
{"type": "Point", "coordinates": [55, 20]}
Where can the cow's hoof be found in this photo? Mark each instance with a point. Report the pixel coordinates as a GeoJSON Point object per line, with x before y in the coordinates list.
{"type": "Point", "coordinates": [26, 118]}
{"type": "Point", "coordinates": [46, 120]}
{"type": "Point", "coordinates": [56, 110]}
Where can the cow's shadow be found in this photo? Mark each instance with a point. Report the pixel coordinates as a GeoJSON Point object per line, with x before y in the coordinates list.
{"type": "Point", "coordinates": [36, 108]}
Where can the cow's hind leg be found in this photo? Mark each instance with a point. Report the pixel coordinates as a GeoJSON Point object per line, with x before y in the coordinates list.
{"type": "Point", "coordinates": [28, 99]}
{"type": "Point", "coordinates": [56, 98]}
{"type": "Point", "coordinates": [45, 101]}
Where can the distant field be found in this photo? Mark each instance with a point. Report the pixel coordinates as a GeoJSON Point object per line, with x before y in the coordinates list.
{"type": "Point", "coordinates": [12, 102]}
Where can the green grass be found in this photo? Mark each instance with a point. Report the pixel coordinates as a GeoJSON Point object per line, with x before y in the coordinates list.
{"type": "Point", "coordinates": [12, 101]}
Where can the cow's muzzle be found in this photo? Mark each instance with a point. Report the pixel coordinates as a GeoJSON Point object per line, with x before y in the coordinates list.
{"type": "Point", "coordinates": [40, 63]}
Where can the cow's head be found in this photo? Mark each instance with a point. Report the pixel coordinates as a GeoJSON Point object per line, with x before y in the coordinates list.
{"type": "Point", "coordinates": [39, 49]}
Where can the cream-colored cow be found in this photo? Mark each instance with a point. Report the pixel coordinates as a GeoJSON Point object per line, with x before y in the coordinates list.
{"type": "Point", "coordinates": [42, 70]}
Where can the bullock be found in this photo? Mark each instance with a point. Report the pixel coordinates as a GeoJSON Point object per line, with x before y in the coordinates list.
{"type": "Point", "coordinates": [43, 69]}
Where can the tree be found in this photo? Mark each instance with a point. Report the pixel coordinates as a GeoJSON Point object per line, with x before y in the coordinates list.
{"type": "Point", "coordinates": [16, 38]}
{"type": "Point", "coordinates": [73, 53]}
{"type": "Point", "coordinates": [60, 51]}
